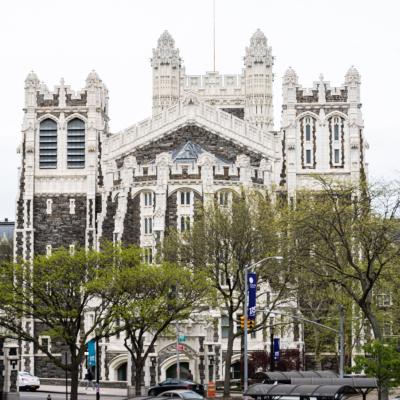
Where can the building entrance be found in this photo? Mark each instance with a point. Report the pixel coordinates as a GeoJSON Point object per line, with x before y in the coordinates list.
{"type": "Point", "coordinates": [171, 371]}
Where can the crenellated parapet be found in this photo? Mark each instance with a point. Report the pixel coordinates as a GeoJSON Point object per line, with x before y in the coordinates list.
{"type": "Point", "coordinates": [322, 128]}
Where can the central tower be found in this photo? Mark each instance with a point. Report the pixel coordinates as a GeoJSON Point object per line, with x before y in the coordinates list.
{"type": "Point", "coordinates": [166, 65]}
{"type": "Point", "coordinates": [258, 82]}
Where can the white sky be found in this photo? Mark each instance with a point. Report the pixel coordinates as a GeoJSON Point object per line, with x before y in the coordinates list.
{"type": "Point", "coordinates": [69, 38]}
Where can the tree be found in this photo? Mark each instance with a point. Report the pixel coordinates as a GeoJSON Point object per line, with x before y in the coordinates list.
{"type": "Point", "coordinates": [150, 299]}
{"type": "Point", "coordinates": [223, 242]}
{"type": "Point", "coordinates": [352, 237]}
{"type": "Point", "coordinates": [381, 361]}
{"type": "Point", "coordinates": [57, 291]}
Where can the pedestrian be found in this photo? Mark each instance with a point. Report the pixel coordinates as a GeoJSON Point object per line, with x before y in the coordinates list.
{"type": "Point", "coordinates": [48, 397]}
{"type": "Point", "coordinates": [190, 375]}
{"type": "Point", "coordinates": [89, 379]}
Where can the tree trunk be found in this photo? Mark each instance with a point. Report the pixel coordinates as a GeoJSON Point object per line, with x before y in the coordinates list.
{"type": "Point", "coordinates": [74, 374]}
{"type": "Point", "coordinates": [138, 377]}
{"type": "Point", "coordinates": [228, 360]}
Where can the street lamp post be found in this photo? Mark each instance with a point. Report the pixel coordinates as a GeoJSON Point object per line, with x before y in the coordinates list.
{"type": "Point", "coordinates": [245, 319]}
{"type": "Point", "coordinates": [339, 332]}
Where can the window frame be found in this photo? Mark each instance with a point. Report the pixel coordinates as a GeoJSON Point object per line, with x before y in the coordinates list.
{"type": "Point", "coordinates": [76, 144]}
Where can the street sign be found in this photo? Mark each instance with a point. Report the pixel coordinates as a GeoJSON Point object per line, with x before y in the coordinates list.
{"type": "Point", "coordinates": [66, 357]}
{"type": "Point", "coordinates": [277, 352]}
{"type": "Point", "coordinates": [182, 338]}
{"type": "Point", "coordinates": [180, 347]}
{"type": "Point", "coordinates": [91, 360]}
{"type": "Point", "coordinates": [252, 282]}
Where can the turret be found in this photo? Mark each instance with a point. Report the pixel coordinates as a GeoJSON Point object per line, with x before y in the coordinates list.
{"type": "Point", "coordinates": [258, 82]}
{"type": "Point", "coordinates": [353, 81]}
{"type": "Point", "coordinates": [167, 73]}
{"type": "Point", "coordinates": [32, 84]}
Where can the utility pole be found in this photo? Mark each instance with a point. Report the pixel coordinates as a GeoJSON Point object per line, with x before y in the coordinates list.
{"type": "Point", "coordinates": [245, 319]}
{"type": "Point", "coordinates": [178, 367]}
{"type": "Point", "coordinates": [245, 357]}
{"type": "Point", "coordinates": [341, 341]}
{"type": "Point", "coordinates": [97, 369]}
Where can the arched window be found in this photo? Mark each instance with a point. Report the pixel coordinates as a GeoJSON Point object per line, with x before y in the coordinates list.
{"type": "Point", "coordinates": [76, 144]}
{"type": "Point", "coordinates": [308, 130]}
{"type": "Point", "coordinates": [336, 128]}
{"type": "Point", "coordinates": [48, 144]}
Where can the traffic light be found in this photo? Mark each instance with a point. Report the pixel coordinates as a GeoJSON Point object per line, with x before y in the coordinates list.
{"type": "Point", "coordinates": [251, 323]}
{"type": "Point", "coordinates": [242, 322]}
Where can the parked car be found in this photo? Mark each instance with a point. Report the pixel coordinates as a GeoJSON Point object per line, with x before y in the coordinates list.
{"type": "Point", "coordinates": [174, 384]}
{"type": "Point", "coordinates": [181, 394]}
{"type": "Point", "coordinates": [26, 381]}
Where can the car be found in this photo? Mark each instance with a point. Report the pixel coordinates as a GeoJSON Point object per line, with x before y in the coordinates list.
{"type": "Point", "coordinates": [174, 384]}
{"type": "Point", "coordinates": [27, 381]}
{"type": "Point", "coordinates": [180, 394]}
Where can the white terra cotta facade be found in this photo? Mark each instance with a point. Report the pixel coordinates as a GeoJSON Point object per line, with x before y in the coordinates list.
{"type": "Point", "coordinates": [208, 136]}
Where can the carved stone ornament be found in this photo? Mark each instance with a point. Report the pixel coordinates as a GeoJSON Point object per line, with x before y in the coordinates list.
{"type": "Point", "coordinates": [29, 149]}
{"type": "Point", "coordinates": [205, 159]}
{"type": "Point", "coordinates": [290, 77]}
{"type": "Point", "coordinates": [92, 149]}
{"type": "Point", "coordinates": [242, 160]}
{"type": "Point", "coordinates": [191, 99]}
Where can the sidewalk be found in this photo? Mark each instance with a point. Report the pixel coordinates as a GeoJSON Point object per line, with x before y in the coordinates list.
{"type": "Point", "coordinates": [81, 390]}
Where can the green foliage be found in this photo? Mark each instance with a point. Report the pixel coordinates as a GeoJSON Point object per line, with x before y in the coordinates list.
{"type": "Point", "coordinates": [149, 298]}
{"type": "Point", "coordinates": [381, 361]}
{"type": "Point", "coordinates": [56, 292]}
{"type": "Point", "coordinates": [223, 242]}
{"type": "Point", "coordinates": [347, 238]}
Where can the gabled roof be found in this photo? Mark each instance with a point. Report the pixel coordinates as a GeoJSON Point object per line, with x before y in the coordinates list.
{"type": "Point", "coordinates": [201, 115]}
{"type": "Point", "coordinates": [190, 152]}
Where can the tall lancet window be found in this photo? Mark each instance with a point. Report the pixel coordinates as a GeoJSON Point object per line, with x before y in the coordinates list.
{"type": "Point", "coordinates": [48, 144]}
{"type": "Point", "coordinates": [308, 142]}
{"type": "Point", "coordinates": [76, 144]}
{"type": "Point", "coordinates": [336, 129]}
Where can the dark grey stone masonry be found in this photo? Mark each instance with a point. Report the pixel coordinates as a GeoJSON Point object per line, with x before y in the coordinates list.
{"type": "Point", "coordinates": [60, 228]}
{"type": "Point", "coordinates": [210, 142]}
{"type": "Point", "coordinates": [109, 220]}
{"type": "Point", "coordinates": [170, 214]}
{"type": "Point", "coordinates": [131, 233]}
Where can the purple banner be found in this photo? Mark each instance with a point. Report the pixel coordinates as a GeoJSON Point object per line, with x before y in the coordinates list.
{"type": "Point", "coordinates": [277, 351]}
{"type": "Point", "coordinates": [252, 284]}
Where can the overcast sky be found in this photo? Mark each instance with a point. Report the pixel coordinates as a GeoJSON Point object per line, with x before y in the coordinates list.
{"type": "Point", "coordinates": [69, 38]}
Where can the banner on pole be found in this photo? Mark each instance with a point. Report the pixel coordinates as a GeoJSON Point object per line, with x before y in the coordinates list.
{"type": "Point", "coordinates": [277, 352]}
{"type": "Point", "coordinates": [252, 284]}
{"type": "Point", "coordinates": [91, 353]}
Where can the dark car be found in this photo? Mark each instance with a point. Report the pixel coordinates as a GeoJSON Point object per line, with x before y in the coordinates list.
{"type": "Point", "coordinates": [173, 384]}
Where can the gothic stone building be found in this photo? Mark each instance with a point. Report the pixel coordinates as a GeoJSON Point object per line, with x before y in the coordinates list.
{"type": "Point", "coordinates": [208, 136]}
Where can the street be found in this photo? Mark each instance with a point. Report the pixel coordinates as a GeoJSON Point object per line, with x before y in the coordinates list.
{"type": "Point", "coordinates": [61, 396]}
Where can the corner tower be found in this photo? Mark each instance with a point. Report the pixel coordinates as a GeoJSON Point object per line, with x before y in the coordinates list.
{"type": "Point", "coordinates": [167, 73]}
{"type": "Point", "coordinates": [258, 82]}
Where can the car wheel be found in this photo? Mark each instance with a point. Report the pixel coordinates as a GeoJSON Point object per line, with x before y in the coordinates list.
{"type": "Point", "coordinates": [152, 393]}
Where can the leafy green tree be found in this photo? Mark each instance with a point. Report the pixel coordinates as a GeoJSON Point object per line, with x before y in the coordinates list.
{"type": "Point", "coordinates": [57, 291]}
{"type": "Point", "coordinates": [352, 237]}
{"type": "Point", "coordinates": [223, 242]}
{"type": "Point", "coordinates": [150, 299]}
{"type": "Point", "coordinates": [381, 361]}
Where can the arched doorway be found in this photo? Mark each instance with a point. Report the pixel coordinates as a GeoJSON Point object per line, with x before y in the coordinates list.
{"type": "Point", "coordinates": [235, 370]}
{"type": "Point", "coordinates": [184, 371]}
{"type": "Point", "coordinates": [122, 372]}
